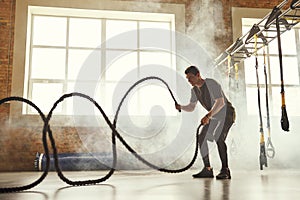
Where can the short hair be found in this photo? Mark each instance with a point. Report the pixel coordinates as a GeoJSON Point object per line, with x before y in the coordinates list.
{"type": "Point", "coordinates": [192, 69]}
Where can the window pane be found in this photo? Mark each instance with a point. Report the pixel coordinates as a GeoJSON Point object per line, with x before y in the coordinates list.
{"type": "Point", "coordinates": [68, 61]}
{"type": "Point", "coordinates": [245, 29]}
{"type": "Point", "coordinates": [48, 63]}
{"type": "Point", "coordinates": [120, 64]}
{"type": "Point", "coordinates": [45, 94]}
{"type": "Point", "coordinates": [252, 101]}
{"type": "Point", "coordinates": [50, 31]}
{"type": "Point", "coordinates": [248, 22]}
{"type": "Point", "coordinates": [288, 44]}
{"type": "Point", "coordinates": [155, 25]}
{"type": "Point", "coordinates": [157, 58]}
{"type": "Point", "coordinates": [148, 102]}
{"type": "Point", "coordinates": [111, 95]}
{"type": "Point", "coordinates": [84, 64]}
{"type": "Point", "coordinates": [291, 100]}
{"type": "Point", "coordinates": [85, 32]}
{"type": "Point", "coordinates": [105, 94]}
{"type": "Point", "coordinates": [155, 35]}
{"type": "Point", "coordinates": [121, 34]}
{"type": "Point", "coordinates": [290, 70]}
{"type": "Point", "coordinates": [250, 70]}
{"type": "Point", "coordinates": [80, 106]}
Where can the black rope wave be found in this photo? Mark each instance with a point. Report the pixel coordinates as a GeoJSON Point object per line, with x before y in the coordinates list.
{"type": "Point", "coordinates": [46, 149]}
{"type": "Point", "coordinates": [115, 133]}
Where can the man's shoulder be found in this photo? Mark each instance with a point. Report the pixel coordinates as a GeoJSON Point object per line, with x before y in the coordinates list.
{"type": "Point", "coordinates": [211, 81]}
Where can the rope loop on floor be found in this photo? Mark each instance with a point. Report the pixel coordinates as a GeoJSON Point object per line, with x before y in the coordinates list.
{"type": "Point", "coordinates": [46, 149]}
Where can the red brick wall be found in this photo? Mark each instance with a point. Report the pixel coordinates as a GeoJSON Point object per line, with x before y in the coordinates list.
{"type": "Point", "coordinates": [7, 10]}
{"type": "Point", "coordinates": [19, 145]}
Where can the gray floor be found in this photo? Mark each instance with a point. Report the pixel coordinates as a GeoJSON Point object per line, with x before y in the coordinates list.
{"type": "Point", "coordinates": [244, 185]}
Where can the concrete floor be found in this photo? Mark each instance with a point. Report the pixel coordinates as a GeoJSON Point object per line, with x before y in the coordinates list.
{"type": "Point", "coordinates": [244, 185]}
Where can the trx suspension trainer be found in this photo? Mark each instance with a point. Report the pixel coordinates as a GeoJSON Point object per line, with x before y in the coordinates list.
{"type": "Point", "coordinates": [262, 155]}
{"type": "Point", "coordinates": [270, 147]}
{"type": "Point", "coordinates": [275, 14]}
{"type": "Point", "coordinates": [284, 118]}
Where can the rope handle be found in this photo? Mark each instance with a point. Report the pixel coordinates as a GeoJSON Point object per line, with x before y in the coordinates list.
{"type": "Point", "coordinates": [270, 148]}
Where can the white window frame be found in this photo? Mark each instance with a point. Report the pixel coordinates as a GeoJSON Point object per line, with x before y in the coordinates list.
{"type": "Point", "coordinates": [22, 9]}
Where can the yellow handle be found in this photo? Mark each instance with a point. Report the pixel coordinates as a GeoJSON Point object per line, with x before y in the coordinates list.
{"type": "Point", "coordinates": [282, 99]}
{"type": "Point", "coordinates": [236, 67]}
{"type": "Point", "coordinates": [255, 44]}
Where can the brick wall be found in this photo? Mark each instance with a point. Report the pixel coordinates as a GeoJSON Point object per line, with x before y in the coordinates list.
{"type": "Point", "coordinates": [19, 144]}
{"type": "Point", "coordinates": [7, 10]}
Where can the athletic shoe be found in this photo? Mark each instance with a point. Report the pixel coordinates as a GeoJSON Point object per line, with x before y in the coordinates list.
{"type": "Point", "coordinates": [205, 173]}
{"type": "Point", "coordinates": [224, 174]}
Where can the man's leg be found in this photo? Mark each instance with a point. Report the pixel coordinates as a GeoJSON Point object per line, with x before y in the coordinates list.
{"type": "Point", "coordinates": [222, 149]}
{"type": "Point", "coordinates": [222, 131]}
{"type": "Point", "coordinates": [207, 171]}
{"type": "Point", "coordinates": [203, 146]}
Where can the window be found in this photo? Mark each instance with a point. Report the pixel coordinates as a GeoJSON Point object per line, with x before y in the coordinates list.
{"type": "Point", "coordinates": [91, 51]}
{"type": "Point", "coordinates": [289, 42]}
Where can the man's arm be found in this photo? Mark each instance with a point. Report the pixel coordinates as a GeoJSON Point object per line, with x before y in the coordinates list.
{"type": "Point", "coordinates": [188, 108]}
{"type": "Point", "coordinates": [218, 105]}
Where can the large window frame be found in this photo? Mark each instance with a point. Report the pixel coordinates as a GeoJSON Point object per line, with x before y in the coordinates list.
{"type": "Point", "coordinates": [20, 73]}
{"type": "Point", "coordinates": [104, 70]}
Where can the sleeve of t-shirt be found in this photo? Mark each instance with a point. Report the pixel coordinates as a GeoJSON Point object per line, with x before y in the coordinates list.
{"type": "Point", "coordinates": [215, 89]}
{"type": "Point", "coordinates": [193, 96]}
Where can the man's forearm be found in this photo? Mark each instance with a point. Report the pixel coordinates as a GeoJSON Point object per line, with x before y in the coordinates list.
{"type": "Point", "coordinates": [218, 105]}
{"type": "Point", "coordinates": [189, 108]}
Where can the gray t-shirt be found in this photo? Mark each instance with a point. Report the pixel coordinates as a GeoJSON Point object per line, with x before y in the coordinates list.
{"type": "Point", "coordinates": [208, 93]}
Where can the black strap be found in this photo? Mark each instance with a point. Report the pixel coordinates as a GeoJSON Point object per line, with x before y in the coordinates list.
{"type": "Point", "coordinates": [262, 155]}
{"type": "Point", "coordinates": [284, 117]}
{"type": "Point", "coordinates": [270, 147]}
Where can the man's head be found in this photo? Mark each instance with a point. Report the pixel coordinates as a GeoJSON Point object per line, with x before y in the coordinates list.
{"type": "Point", "coordinates": [192, 69]}
{"type": "Point", "coordinates": [192, 75]}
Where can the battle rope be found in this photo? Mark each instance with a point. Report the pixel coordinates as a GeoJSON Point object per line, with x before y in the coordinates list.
{"type": "Point", "coordinates": [262, 155]}
{"type": "Point", "coordinates": [134, 152]}
{"type": "Point", "coordinates": [46, 129]}
{"type": "Point", "coordinates": [44, 139]}
{"type": "Point", "coordinates": [270, 147]}
{"type": "Point", "coordinates": [284, 118]}
{"type": "Point", "coordinates": [55, 156]}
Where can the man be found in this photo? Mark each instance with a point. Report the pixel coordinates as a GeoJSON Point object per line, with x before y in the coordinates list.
{"type": "Point", "coordinates": [216, 123]}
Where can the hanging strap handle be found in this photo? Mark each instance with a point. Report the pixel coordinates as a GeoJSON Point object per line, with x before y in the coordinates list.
{"type": "Point", "coordinates": [262, 154]}
{"type": "Point", "coordinates": [270, 147]}
{"type": "Point", "coordinates": [284, 118]}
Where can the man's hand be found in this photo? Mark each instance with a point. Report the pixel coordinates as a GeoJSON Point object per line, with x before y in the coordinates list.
{"type": "Point", "coordinates": [205, 120]}
{"type": "Point", "coordinates": [178, 107]}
